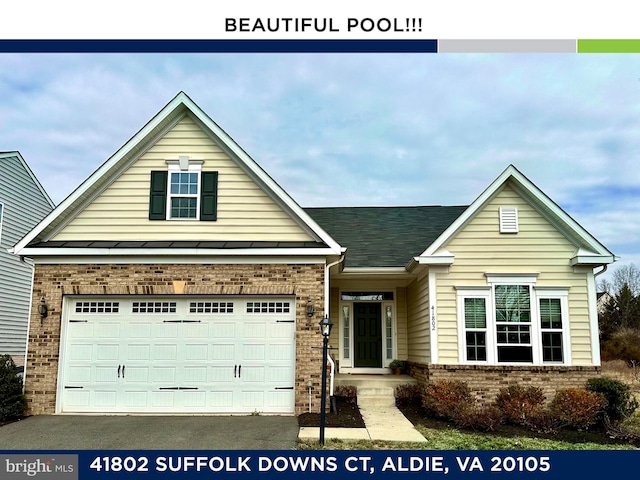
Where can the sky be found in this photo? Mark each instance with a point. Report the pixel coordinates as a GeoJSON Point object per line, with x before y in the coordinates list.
{"type": "Point", "coordinates": [357, 129]}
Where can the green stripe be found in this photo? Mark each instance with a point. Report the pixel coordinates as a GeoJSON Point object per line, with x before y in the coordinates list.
{"type": "Point", "coordinates": [608, 46]}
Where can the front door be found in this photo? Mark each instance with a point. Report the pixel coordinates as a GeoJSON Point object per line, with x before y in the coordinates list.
{"type": "Point", "coordinates": [368, 338]}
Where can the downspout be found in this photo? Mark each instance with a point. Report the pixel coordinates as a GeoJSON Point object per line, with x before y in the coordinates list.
{"type": "Point", "coordinates": [332, 400]}
{"type": "Point", "coordinates": [604, 269]}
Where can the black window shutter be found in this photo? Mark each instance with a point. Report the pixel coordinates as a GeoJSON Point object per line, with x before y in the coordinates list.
{"type": "Point", "coordinates": [158, 196]}
{"type": "Point", "coordinates": [209, 196]}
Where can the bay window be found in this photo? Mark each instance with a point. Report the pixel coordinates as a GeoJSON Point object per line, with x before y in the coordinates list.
{"type": "Point", "coordinates": [512, 321]}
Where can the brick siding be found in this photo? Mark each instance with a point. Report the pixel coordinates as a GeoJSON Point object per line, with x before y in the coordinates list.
{"type": "Point", "coordinates": [486, 381]}
{"type": "Point", "coordinates": [53, 282]}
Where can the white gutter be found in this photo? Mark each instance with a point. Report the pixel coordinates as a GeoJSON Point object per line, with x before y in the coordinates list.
{"type": "Point", "coordinates": [331, 375]}
{"type": "Point", "coordinates": [326, 283]}
{"type": "Point", "coordinates": [326, 312]}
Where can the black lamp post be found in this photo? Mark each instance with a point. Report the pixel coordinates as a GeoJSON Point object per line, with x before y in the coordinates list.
{"type": "Point", "coordinates": [325, 329]}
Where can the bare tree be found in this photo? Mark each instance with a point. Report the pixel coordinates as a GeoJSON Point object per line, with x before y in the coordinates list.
{"type": "Point", "coordinates": [628, 275]}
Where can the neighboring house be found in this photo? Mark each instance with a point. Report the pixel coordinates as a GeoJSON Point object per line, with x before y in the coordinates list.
{"type": "Point", "coordinates": [23, 203]}
{"type": "Point", "coordinates": [178, 278]}
{"type": "Point", "coordinates": [603, 300]}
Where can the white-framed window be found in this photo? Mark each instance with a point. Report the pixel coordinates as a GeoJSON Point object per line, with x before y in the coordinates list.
{"type": "Point", "coordinates": [553, 306]}
{"type": "Point", "coordinates": [388, 331]}
{"type": "Point", "coordinates": [512, 321]}
{"type": "Point", "coordinates": [474, 310]}
{"type": "Point", "coordinates": [183, 191]}
{"type": "Point", "coordinates": [346, 331]}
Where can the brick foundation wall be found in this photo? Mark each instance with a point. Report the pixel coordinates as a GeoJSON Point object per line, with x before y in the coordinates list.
{"type": "Point", "coordinates": [53, 282]}
{"type": "Point", "coordinates": [486, 381]}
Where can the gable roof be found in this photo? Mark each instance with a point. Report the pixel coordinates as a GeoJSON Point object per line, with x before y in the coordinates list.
{"type": "Point", "coordinates": [179, 107]}
{"type": "Point", "coordinates": [384, 236]}
{"type": "Point", "coordinates": [589, 251]}
{"type": "Point", "coordinates": [34, 179]}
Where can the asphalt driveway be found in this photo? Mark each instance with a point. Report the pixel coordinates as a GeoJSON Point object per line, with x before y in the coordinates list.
{"type": "Point", "coordinates": [88, 432]}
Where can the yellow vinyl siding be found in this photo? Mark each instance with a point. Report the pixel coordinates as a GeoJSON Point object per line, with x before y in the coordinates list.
{"type": "Point", "coordinates": [401, 323]}
{"type": "Point", "coordinates": [245, 211]}
{"type": "Point", "coordinates": [336, 317]}
{"type": "Point", "coordinates": [418, 333]}
{"type": "Point", "coordinates": [539, 247]}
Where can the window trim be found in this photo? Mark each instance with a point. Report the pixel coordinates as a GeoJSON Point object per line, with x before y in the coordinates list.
{"type": "Point", "coordinates": [177, 168]}
{"type": "Point", "coordinates": [536, 293]}
{"type": "Point", "coordinates": [561, 294]}
{"type": "Point", "coordinates": [531, 324]}
{"type": "Point", "coordinates": [485, 293]}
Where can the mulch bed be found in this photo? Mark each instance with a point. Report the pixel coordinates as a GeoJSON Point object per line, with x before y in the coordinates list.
{"type": "Point", "coordinates": [347, 416]}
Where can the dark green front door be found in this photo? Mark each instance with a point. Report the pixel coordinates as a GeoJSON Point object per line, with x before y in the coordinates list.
{"type": "Point", "coordinates": [368, 338]}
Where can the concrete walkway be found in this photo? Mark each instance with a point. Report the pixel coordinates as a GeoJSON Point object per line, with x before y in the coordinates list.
{"type": "Point", "coordinates": [381, 423]}
{"type": "Point", "coordinates": [382, 419]}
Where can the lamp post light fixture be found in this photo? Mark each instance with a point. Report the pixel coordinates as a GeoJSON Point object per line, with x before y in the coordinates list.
{"type": "Point", "coordinates": [325, 329]}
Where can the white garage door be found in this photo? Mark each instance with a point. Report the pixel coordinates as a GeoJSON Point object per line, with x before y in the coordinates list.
{"type": "Point", "coordinates": [177, 355]}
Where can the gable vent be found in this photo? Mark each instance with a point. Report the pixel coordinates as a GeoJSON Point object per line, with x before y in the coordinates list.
{"type": "Point", "coordinates": [508, 220]}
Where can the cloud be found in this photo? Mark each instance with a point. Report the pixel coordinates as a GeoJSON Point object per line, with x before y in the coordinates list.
{"type": "Point", "coordinates": [355, 129]}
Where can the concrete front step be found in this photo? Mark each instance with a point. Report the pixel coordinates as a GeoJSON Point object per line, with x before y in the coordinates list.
{"type": "Point", "coordinates": [376, 397]}
{"type": "Point", "coordinates": [376, 392]}
{"type": "Point", "coordinates": [373, 381]}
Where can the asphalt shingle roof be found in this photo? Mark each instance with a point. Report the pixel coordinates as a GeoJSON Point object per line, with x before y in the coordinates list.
{"type": "Point", "coordinates": [384, 236]}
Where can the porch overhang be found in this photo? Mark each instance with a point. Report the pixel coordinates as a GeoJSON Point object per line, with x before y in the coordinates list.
{"type": "Point", "coordinates": [374, 273]}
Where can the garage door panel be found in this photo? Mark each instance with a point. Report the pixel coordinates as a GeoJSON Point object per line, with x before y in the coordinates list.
{"type": "Point", "coordinates": [197, 331]}
{"type": "Point", "coordinates": [224, 352]}
{"type": "Point", "coordinates": [195, 374]}
{"type": "Point", "coordinates": [252, 351]}
{"type": "Point", "coordinates": [223, 374]}
{"type": "Point", "coordinates": [279, 400]}
{"type": "Point", "coordinates": [281, 351]}
{"type": "Point", "coordinates": [279, 375]}
{"type": "Point", "coordinates": [136, 398]}
{"type": "Point", "coordinates": [106, 374]}
{"type": "Point", "coordinates": [166, 330]}
{"type": "Point", "coordinates": [179, 356]}
{"type": "Point", "coordinates": [252, 399]}
{"type": "Point", "coordinates": [81, 330]}
{"type": "Point", "coordinates": [79, 399]}
{"type": "Point", "coordinates": [194, 398]}
{"type": "Point", "coordinates": [139, 330]}
{"type": "Point", "coordinates": [163, 375]}
{"type": "Point", "coordinates": [138, 352]}
{"type": "Point", "coordinates": [107, 352]}
{"type": "Point", "coordinates": [135, 374]}
{"type": "Point", "coordinates": [221, 399]}
{"type": "Point", "coordinates": [254, 330]}
{"type": "Point", "coordinates": [103, 399]}
{"type": "Point", "coordinates": [252, 374]}
{"type": "Point", "coordinates": [223, 330]}
{"type": "Point", "coordinates": [107, 330]}
{"type": "Point", "coordinates": [196, 351]}
{"type": "Point", "coordinates": [163, 399]}
{"type": "Point", "coordinates": [80, 374]}
{"type": "Point", "coordinates": [81, 352]}
{"type": "Point", "coordinates": [165, 352]}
